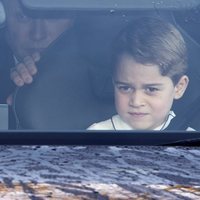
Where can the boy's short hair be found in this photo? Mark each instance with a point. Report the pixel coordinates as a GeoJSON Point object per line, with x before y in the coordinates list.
{"type": "Point", "coordinates": [153, 41]}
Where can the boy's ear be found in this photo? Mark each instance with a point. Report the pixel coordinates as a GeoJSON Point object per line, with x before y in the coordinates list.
{"type": "Point", "coordinates": [181, 86]}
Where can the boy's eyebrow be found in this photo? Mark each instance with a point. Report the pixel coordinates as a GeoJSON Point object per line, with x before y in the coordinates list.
{"type": "Point", "coordinates": [153, 84]}
{"type": "Point", "coordinates": [146, 84]}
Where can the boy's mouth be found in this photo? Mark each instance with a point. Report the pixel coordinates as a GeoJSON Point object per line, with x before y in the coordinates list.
{"type": "Point", "coordinates": [138, 114]}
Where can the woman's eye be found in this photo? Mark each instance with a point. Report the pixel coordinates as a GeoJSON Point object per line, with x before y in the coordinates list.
{"type": "Point", "coordinates": [22, 18]}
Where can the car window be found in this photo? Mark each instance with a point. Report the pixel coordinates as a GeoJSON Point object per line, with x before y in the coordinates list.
{"type": "Point", "coordinates": [57, 63]}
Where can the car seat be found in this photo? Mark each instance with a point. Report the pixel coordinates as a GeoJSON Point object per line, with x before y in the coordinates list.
{"type": "Point", "coordinates": [60, 97]}
{"type": "Point", "coordinates": [187, 108]}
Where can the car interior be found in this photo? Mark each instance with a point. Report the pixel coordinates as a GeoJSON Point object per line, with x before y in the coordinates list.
{"type": "Point", "coordinates": [72, 98]}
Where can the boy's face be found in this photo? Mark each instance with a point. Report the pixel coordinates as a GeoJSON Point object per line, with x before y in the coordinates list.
{"type": "Point", "coordinates": [144, 97]}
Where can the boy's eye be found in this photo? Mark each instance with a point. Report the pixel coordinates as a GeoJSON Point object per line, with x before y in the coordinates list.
{"type": "Point", "coordinates": [124, 88]}
{"type": "Point", "coordinates": [151, 89]}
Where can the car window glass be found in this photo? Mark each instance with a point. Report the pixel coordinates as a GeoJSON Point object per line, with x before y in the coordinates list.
{"type": "Point", "coordinates": [73, 87]}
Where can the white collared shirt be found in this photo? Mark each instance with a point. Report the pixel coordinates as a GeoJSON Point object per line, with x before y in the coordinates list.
{"type": "Point", "coordinates": [116, 123]}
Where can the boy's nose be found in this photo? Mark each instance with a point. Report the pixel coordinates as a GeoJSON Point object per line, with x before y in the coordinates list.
{"type": "Point", "coordinates": [136, 99]}
{"type": "Point", "coordinates": [38, 31]}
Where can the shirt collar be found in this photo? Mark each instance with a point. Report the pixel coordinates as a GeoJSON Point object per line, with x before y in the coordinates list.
{"type": "Point", "coordinates": [121, 125]}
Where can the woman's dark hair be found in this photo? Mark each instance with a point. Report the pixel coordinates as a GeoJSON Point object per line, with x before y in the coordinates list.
{"type": "Point", "coordinates": [153, 41]}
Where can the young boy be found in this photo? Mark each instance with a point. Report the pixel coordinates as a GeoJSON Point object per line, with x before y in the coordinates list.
{"type": "Point", "coordinates": [150, 62]}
